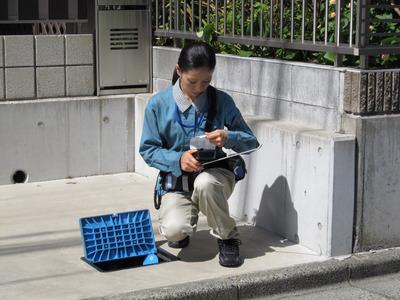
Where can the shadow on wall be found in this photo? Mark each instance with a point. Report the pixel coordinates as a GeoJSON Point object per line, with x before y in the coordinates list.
{"type": "Point", "coordinates": [276, 212]}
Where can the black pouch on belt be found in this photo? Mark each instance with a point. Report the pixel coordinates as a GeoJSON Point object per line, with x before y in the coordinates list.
{"type": "Point", "coordinates": [234, 164]}
{"type": "Point", "coordinates": [171, 183]}
{"type": "Point", "coordinates": [183, 183]}
{"type": "Point", "coordinates": [237, 165]}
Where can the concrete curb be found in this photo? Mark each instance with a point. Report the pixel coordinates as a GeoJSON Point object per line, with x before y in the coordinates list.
{"type": "Point", "coordinates": [256, 284]}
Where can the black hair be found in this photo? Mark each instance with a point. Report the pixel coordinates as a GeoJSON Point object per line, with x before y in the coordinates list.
{"type": "Point", "coordinates": [193, 56]}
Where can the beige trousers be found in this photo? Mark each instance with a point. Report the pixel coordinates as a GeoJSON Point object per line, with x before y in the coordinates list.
{"type": "Point", "coordinates": [179, 211]}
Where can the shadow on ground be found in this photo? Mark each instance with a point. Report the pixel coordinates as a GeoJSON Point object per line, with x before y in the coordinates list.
{"type": "Point", "coordinates": [256, 242]}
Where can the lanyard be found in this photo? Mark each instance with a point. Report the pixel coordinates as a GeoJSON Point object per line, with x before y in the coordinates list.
{"type": "Point", "coordinates": [179, 119]}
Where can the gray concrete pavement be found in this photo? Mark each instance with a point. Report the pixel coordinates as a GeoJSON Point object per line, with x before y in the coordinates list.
{"type": "Point", "coordinates": [374, 288]}
{"type": "Point", "coordinates": [40, 244]}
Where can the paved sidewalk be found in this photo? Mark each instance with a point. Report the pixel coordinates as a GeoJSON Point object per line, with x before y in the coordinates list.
{"type": "Point", "coordinates": [40, 244]}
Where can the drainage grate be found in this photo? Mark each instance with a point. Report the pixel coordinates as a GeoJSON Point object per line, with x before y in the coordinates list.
{"type": "Point", "coordinates": [124, 38]}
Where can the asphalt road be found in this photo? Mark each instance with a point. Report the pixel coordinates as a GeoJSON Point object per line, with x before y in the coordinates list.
{"type": "Point", "coordinates": [379, 287]}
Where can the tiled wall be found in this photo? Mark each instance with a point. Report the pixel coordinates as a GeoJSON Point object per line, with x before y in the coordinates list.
{"type": "Point", "coordinates": [41, 66]}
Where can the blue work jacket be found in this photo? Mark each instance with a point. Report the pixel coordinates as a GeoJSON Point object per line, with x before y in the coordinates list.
{"type": "Point", "coordinates": [167, 131]}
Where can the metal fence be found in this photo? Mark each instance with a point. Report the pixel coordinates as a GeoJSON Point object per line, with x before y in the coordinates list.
{"type": "Point", "coordinates": [356, 27]}
{"type": "Point", "coordinates": [42, 16]}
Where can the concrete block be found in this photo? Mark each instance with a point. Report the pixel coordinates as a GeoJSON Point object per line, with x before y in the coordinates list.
{"type": "Point", "coordinates": [387, 94]}
{"type": "Point", "coordinates": [56, 139]}
{"type": "Point", "coordinates": [19, 51]}
{"type": "Point", "coordinates": [269, 79]}
{"type": "Point", "coordinates": [321, 166]}
{"type": "Point", "coordinates": [20, 83]}
{"type": "Point", "coordinates": [379, 155]}
{"type": "Point", "coordinates": [303, 114]}
{"type": "Point", "coordinates": [164, 61]}
{"type": "Point", "coordinates": [36, 141]}
{"type": "Point", "coordinates": [79, 49]}
{"type": "Point", "coordinates": [80, 80]}
{"type": "Point", "coordinates": [50, 50]}
{"type": "Point", "coordinates": [2, 96]}
{"type": "Point", "coordinates": [371, 93]}
{"type": "Point", "coordinates": [100, 136]}
{"type": "Point", "coordinates": [379, 88]}
{"type": "Point", "coordinates": [315, 116]}
{"type": "Point", "coordinates": [83, 138]}
{"type": "Point", "coordinates": [341, 92]}
{"type": "Point", "coordinates": [307, 192]}
{"type": "Point", "coordinates": [269, 108]}
{"type": "Point", "coordinates": [233, 74]}
{"type": "Point", "coordinates": [141, 167]}
{"type": "Point", "coordinates": [314, 85]}
{"type": "Point", "coordinates": [1, 51]}
{"type": "Point", "coordinates": [349, 124]}
{"type": "Point", "coordinates": [117, 135]}
{"type": "Point", "coordinates": [342, 184]}
{"type": "Point", "coordinates": [395, 91]}
{"type": "Point", "coordinates": [50, 82]}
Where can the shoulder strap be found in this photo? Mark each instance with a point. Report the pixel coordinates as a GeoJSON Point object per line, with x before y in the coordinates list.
{"type": "Point", "coordinates": [212, 107]}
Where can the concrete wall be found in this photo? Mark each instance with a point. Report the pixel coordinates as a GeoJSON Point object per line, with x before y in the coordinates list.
{"type": "Point", "coordinates": [300, 185]}
{"type": "Point", "coordinates": [140, 165]}
{"type": "Point", "coordinates": [46, 66]}
{"type": "Point", "coordinates": [66, 137]}
{"type": "Point", "coordinates": [306, 94]}
{"type": "Point", "coordinates": [378, 177]}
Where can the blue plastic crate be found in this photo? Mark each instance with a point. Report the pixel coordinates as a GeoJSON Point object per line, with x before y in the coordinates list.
{"type": "Point", "coordinates": [119, 236]}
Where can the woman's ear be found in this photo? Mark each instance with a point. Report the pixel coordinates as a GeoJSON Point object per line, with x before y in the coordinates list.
{"type": "Point", "coordinates": [178, 70]}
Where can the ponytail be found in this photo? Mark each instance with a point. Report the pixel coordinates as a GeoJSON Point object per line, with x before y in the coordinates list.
{"type": "Point", "coordinates": [175, 77]}
{"type": "Point", "coordinates": [193, 56]}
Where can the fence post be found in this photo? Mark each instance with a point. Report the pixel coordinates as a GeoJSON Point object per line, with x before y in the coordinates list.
{"type": "Point", "coordinates": [338, 60]}
{"type": "Point", "coordinates": [338, 9]}
{"type": "Point", "coordinates": [43, 9]}
{"type": "Point", "coordinates": [362, 31]}
{"type": "Point", "coordinates": [72, 9]}
{"type": "Point", "coordinates": [13, 10]}
{"type": "Point", "coordinates": [364, 61]}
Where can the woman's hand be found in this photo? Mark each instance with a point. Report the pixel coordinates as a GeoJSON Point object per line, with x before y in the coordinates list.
{"type": "Point", "coordinates": [217, 137]}
{"type": "Point", "coordinates": [188, 162]}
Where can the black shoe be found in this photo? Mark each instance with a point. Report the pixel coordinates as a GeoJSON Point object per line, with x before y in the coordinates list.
{"type": "Point", "coordinates": [229, 253]}
{"type": "Point", "coordinates": [179, 244]}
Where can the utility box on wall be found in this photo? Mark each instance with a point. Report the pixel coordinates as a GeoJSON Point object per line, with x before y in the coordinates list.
{"type": "Point", "coordinates": [123, 43]}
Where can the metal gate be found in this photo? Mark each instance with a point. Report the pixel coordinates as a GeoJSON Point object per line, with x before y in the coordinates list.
{"type": "Point", "coordinates": [123, 43]}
